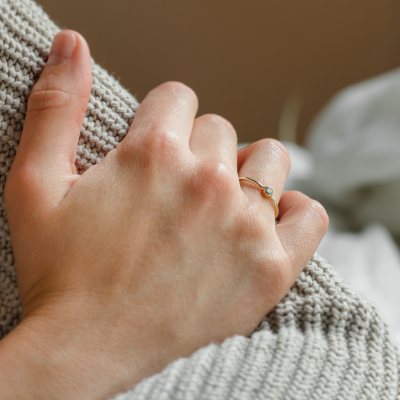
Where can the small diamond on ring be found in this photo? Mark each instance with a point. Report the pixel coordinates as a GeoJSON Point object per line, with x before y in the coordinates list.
{"type": "Point", "coordinates": [268, 191]}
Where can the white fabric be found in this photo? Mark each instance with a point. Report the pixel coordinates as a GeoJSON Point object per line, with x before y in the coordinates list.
{"type": "Point", "coordinates": [352, 166]}
{"type": "Point", "coordinates": [368, 261]}
{"type": "Point", "coordinates": [355, 144]}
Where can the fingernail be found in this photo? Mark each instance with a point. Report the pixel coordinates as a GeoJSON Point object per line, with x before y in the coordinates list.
{"type": "Point", "coordinates": [62, 49]}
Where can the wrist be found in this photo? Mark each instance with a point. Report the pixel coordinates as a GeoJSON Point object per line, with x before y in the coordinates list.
{"type": "Point", "coordinates": [38, 361]}
{"type": "Point", "coordinates": [69, 359]}
{"type": "Point", "coordinates": [34, 364]}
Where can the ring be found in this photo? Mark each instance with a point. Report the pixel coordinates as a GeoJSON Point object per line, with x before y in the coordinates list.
{"type": "Point", "coordinates": [265, 190]}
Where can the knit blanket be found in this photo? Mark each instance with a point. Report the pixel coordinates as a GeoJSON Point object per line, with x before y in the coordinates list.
{"type": "Point", "coordinates": [322, 341]}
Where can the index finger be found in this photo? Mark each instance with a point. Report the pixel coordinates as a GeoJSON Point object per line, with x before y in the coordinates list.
{"type": "Point", "coordinates": [171, 107]}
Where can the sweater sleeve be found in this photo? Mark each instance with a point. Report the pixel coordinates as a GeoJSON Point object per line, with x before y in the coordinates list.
{"type": "Point", "coordinates": [322, 341]}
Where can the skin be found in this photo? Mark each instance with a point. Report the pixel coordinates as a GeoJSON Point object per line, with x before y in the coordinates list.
{"type": "Point", "coordinates": [149, 255]}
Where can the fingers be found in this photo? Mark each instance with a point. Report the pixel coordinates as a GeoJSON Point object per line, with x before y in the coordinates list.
{"type": "Point", "coordinates": [170, 107]}
{"type": "Point", "coordinates": [213, 137]}
{"type": "Point", "coordinates": [46, 154]}
{"type": "Point", "coordinates": [302, 225]}
{"type": "Point", "coordinates": [268, 162]}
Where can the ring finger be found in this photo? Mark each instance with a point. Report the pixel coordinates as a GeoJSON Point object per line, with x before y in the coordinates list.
{"type": "Point", "coordinates": [268, 162]}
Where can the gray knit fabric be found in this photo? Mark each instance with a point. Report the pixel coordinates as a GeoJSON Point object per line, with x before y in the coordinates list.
{"type": "Point", "coordinates": [26, 34]}
{"type": "Point", "coordinates": [322, 341]}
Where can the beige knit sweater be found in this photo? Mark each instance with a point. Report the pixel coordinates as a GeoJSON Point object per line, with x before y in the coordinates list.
{"type": "Point", "coordinates": [322, 341]}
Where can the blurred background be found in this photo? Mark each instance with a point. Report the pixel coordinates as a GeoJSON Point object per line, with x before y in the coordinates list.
{"type": "Point", "coordinates": [260, 64]}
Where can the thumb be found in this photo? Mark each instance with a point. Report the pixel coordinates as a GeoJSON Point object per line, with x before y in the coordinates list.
{"type": "Point", "coordinates": [45, 159]}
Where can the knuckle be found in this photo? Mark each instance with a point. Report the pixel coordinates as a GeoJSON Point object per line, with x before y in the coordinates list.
{"type": "Point", "coordinates": [44, 99]}
{"type": "Point", "coordinates": [160, 141]}
{"type": "Point", "coordinates": [275, 147]}
{"type": "Point", "coordinates": [217, 123]}
{"type": "Point", "coordinates": [216, 180]}
{"type": "Point", "coordinates": [215, 119]}
{"type": "Point", "coordinates": [157, 147]}
{"type": "Point", "coordinates": [179, 88]}
{"type": "Point", "coordinates": [295, 196]}
{"type": "Point", "coordinates": [316, 209]}
{"type": "Point", "coordinates": [296, 193]}
{"type": "Point", "coordinates": [19, 185]}
{"type": "Point", "coordinates": [55, 89]}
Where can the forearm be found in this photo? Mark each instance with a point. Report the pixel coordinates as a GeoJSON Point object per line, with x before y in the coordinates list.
{"type": "Point", "coordinates": [34, 366]}
{"type": "Point", "coordinates": [42, 360]}
{"type": "Point", "coordinates": [24, 373]}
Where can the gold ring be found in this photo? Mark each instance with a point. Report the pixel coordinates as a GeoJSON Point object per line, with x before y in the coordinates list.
{"type": "Point", "coordinates": [265, 190]}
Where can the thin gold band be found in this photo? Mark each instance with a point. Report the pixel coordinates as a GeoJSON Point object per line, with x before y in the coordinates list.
{"type": "Point", "coordinates": [266, 191]}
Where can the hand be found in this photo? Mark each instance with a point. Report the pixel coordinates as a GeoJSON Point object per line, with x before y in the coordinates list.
{"type": "Point", "coordinates": [149, 255]}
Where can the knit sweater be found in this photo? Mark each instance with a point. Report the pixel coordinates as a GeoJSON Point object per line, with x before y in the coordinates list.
{"type": "Point", "coordinates": [322, 341]}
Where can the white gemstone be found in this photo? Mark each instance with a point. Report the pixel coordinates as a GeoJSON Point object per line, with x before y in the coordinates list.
{"type": "Point", "coordinates": [268, 191]}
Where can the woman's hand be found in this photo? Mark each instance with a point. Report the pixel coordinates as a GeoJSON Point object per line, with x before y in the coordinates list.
{"type": "Point", "coordinates": [149, 255]}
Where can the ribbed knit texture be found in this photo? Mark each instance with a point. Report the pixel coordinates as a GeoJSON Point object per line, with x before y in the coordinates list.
{"type": "Point", "coordinates": [26, 34]}
{"type": "Point", "coordinates": [322, 341]}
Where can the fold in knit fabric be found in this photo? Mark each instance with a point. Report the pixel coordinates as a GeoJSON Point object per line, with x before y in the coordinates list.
{"type": "Point", "coordinates": [322, 341]}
